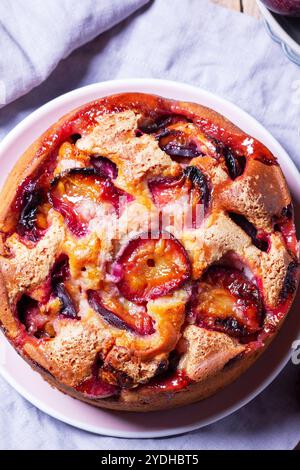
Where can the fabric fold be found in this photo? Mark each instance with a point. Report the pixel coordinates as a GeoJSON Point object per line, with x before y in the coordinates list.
{"type": "Point", "coordinates": [192, 41]}
{"type": "Point", "coordinates": [35, 36]}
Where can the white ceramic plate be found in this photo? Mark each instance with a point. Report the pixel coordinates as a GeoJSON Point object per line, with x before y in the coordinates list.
{"type": "Point", "coordinates": [163, 423]}
{"type": "Point", "coordinates": [284, 30]}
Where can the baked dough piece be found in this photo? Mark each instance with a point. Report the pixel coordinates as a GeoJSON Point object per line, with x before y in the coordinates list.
{"type": "Point", "coordinates": [148, 253]}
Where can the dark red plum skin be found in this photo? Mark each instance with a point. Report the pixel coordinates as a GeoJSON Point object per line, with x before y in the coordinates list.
{"type": "Point", "coordinates": [105, 167]}
{"type": "Point", "coordinates": [59, 274]}
{"type": "Point", "coordinates": [284, 7]}
{"type": "Point", "coordinates": [96, 388]}
{"type": "Point", "coordinates": [67, 307]}
{"type": "Point", "coordinates": [259, 240]}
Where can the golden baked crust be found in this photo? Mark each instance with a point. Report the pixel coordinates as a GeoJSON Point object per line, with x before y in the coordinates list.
{"type": "Point", "coordinates": [133, 322]}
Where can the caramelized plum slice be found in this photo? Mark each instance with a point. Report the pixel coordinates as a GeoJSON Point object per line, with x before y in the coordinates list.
{"type": "Point", "coordinates": [69, 190]}
{"type": "Point", "coordinates": [120, 315]}
{"type": "Point", "coordinates": [60, 271]}
{"type": "Point", "coordinates": [260, 240]}
{"type": "Point", "coordinates": [225, 300]}
{"type": "Point", "coordinates": [290, 282]}
{"type": "Point", "coordinates": [59, 274]}
{"type": "Point", "coordinates": [31, 199]}
{"type": "Point", "coordinates": [199, 182]}
{"type": "Point", "coordinates": [152, 125]}
{"type": "Point", "coordinates": [165, 190]}
{"type": "Point", "coordinates": [105, 167]}
{"type": "Point", "coordinates": [152, 267]}
{"type": "Point", "coordinates": [177, 144]}
{"type": "Point", "coordinates": [28, 215]}
{"type": "Point", "coordinates": [235, 163]}
{"type": "Point", "coordinates": [67, 307]}
{"type": "Point", "coordinates": [192, 184]}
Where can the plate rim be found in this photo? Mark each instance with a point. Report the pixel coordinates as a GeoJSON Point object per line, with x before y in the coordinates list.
{"type": "Point", "coordinates": [277, 28]}
{"type": "Point", "coordinates": [170, 432]}
{"type": "Point", "coordinates": [122, 85]}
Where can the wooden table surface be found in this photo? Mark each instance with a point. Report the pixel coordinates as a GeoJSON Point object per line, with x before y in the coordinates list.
{"type": "Point", "coordinates": [248, 7]}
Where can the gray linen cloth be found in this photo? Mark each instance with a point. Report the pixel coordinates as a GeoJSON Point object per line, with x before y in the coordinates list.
{"type": "Point", "coordinates": [192, 41]}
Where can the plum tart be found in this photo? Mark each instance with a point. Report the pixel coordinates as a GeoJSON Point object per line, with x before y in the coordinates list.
{"type": "Point", "coordinates": [148, 252]}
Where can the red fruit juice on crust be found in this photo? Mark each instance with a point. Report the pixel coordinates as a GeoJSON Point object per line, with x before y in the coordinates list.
{"type": "Point", "coordinates": [170, 383]}
{"type": "Point", "coordinates": [288, 231]}
{"type": "Point", "coordinates": [96, 388]}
